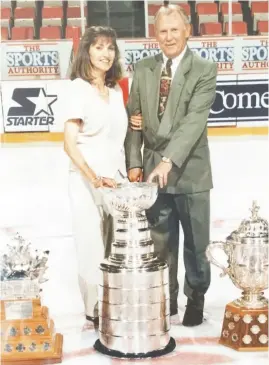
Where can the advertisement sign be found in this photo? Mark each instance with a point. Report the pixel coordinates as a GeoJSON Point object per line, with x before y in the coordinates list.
{"type": "Point", "coordinates": [240, 100]}
{"type": "Point", "coordinates": [35, 60]}
{"type": "Point", "coordinates": [1, 116]}
{"type": "Point", "coordinates": [134, 50]}
{"type": "Point", "coordinates": [219, 50]}
{"type": "Point", "coordinates": [233, 55]}
{"type": "Point", "coordinates": [254, 55]}
{"type": "Point", "coordinates": [38, 106]}
{"type": "Point", "coordinates": [27, 107]}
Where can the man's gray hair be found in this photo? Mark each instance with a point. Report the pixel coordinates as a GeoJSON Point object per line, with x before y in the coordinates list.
{"type": "Point", "coordinates": [171, 8]}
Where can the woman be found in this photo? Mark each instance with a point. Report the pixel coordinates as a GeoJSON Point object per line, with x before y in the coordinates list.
{"type": "Point", "coordinates": [95, 129]}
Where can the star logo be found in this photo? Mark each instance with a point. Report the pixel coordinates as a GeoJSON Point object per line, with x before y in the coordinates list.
{"type": "Point", "coordinates": [43, 102]}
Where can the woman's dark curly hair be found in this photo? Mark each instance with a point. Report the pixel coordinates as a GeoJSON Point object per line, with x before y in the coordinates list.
{"type": "Point", "coordinates": [82, 66]}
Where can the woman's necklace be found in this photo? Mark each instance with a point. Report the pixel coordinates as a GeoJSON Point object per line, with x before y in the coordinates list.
{"type": "Point", "coordinates": [104, 94]}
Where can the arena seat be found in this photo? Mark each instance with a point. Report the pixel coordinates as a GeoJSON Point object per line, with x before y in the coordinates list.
{"type": "Point", "coordinates": [18, 33]}
{"type": "Point", "coordinates": [69, 31]}
{"type": "Point", "coordinates": [203, 1]}
{"type": "Point", "coordinates": [23, 17]}
{"type": "Point", "coordinates": [52, 3]}
{"type": "Point", "coordinates": [73, 16]}
{"type": "Point", "coordinates": [151, 31]}
{"type": "Point", "coordinates": [262, 27]}
{"type": "Point", "coordinates": [225, 1]}
{"type": "Point", "coordinates": [4, 33]}
{"type": "Point", "coordinates": [154, 7]}
{"type": "Point", "coordinates": [50, 32]}
{"type": "Point", "coordinates": [152, 10]}
{"type": "Point", "coordinates": [5, 4]}
{"type": "Point", "coordinates": [207, 13]}
{"type": "Point", "coordinates": [238, 28]}
{"type": "Point", "coordinates": [259, 11]}
{"type": "Point", "coordinates": [74, 3]}
{"type": "Point", "coordinates": [5, 17]}
{"type": "Point", "coordinates": [26, 4]}
{"type": "Point", "coordinates": [52, 16]}
{"type": "Point", "coordinates": [237, 14]}
{"type": "Point", "coordinates": [212, 29]}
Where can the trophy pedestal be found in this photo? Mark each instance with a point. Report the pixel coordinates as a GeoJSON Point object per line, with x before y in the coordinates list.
{"type": "Point", "coordinates": [28, 334]}
{"type": "Point", "coordinates": [245, 329]}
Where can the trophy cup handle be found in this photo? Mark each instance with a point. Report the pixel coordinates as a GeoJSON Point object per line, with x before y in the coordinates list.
{"type": "Point", "coordinates": [210, 255]}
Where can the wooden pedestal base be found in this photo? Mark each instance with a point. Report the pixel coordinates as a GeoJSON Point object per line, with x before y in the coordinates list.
{"type": "Point", "coordinates": [28, 336]}
{"type": "Point", "coordinates": [245, 329]}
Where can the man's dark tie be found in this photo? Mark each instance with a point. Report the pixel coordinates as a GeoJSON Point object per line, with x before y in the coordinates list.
{"type": "Point", "coordinates": [165, 83]}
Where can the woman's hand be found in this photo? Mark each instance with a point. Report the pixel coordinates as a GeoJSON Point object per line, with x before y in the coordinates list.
{"type": "Point", "coordinates": [136, 122]}
{"type": "Point", "coordinates": [100, 182]}
{"type": "Point", "coordinates": [109, 183]}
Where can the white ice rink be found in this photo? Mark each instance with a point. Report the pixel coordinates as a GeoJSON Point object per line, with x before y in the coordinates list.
{"type": "Point", "coordinates": [34, 202]}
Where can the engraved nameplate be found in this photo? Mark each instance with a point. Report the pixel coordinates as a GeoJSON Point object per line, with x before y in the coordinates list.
{"type": "Point", "coordinates": [18, 309]}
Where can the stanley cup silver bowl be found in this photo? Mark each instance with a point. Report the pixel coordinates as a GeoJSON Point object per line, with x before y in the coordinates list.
{"type": "Point", "coordinates": [247, 250]}
{"type": "Point", "coordinates": [134, 317]}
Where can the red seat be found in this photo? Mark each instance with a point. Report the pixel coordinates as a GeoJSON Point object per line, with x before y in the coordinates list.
{"type": "Point", "coordinates": [51, 3]}
{"type": "Point", "coordinates": [5, 17]}
{"type": "Point", "coordinates": [259, 7]}
{"type": "Point", "coordinates": [263, 26]}
{"type": "Point", "coordinates": [4, 33]}
{"type": "Point", "coordinates": [5, 4]}
{"type": "Point", "coordinates": [18, 33]}
{"type": "Point", "coordinates": [26, 3]}
{"type": "Point", "coordinates": [203, 1]}
{"type": "Point", "coordinates": [73, 16]}
{"type": "Point", "coordinates": [207, 9]}
{"type": "Point", "coordinates": [237, 14]}
{"type": "Point", "coordinates": [5, 13]}
{"type": "Point", "coordinates": [24, 13]}
{"type": "Point", "coordinates": [50, 32]}
{"type": "Point", "coordinates": [211, 29]}
{"type": "Point", "coordinates": [207, 13]}
{"type": "Point", "coordinates": [74, 12]}
{"type": "Point", "coordinates": [52, 12]}
{"type": "Point", "coordinates": [52, 16]}
{"type": "Point", "coordinates": [238, 28]}
{"type": "Point", "coordinates": [236, 8]}
{"type": "Point", "coordinates": [69, 31]}
{"type": "Point", "coordinates": [74, 3]}
{"type": "Point", "coordinates": [151, 31]}
{"type": "Point", "coordinates": [153, 8]}
{"type": "Point", "coordinates": [24, 17]}
{"type": "Point", "coordinates": [259, 11]}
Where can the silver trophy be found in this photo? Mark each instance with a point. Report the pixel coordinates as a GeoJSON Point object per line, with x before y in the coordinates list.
{"type": "Point", "coordinates": [134, 310]}
{"type": "Point", "coordinates": [22, 269]}
{"type": "Point", "coordinates": [245, 325]}
{"type": "Point", "coordinates": [28, 333]}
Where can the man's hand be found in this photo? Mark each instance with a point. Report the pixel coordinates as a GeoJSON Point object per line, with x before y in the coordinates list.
{"type": "Point", "coordinates": [135, 174]}
{"type": "Point", "coordinates": [136, 122]}
{"type": "Point", "coordinates": [161, 171]}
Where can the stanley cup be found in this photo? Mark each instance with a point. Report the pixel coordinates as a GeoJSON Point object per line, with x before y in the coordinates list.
{"type": "Point", "coordinates": [134, 310]}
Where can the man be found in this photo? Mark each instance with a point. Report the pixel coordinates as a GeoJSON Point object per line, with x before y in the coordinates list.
{"type": "Point", "coordinates": [174, 137]}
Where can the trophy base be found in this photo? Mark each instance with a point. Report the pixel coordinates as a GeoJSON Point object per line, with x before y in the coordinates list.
{"type": "Point", "coordinates": [54, 356]}
{"type": "Point", "coordinates": [245, 329]}
{"type": "Point", "coordinates": [118, 354]}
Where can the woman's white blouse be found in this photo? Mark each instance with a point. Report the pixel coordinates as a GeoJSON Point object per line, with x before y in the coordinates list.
{"type": "Point", "coordinates": [103, 129]}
